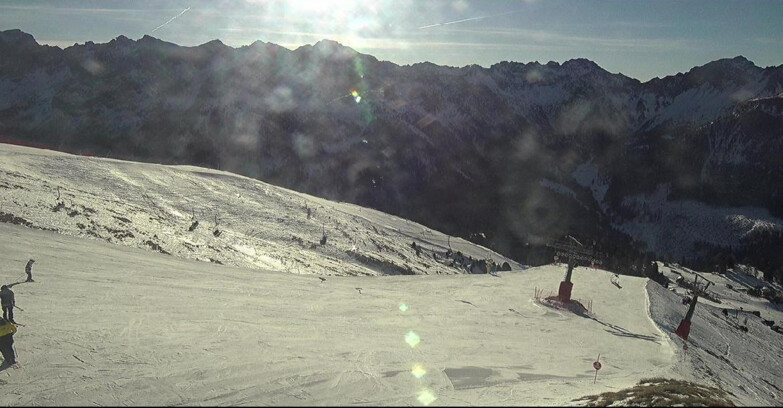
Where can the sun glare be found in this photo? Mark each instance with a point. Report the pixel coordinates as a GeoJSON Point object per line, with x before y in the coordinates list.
{"type": "Point", "coordinates": [358, 24]}
{"type": "Point", "coordinates": [427, 397]}
{"type": "Point", "coordinates": [328, 8]}
{"type": "Point", "coordinates": [418, 371]}
{"type": "Point", "coordinates": [412, 339]}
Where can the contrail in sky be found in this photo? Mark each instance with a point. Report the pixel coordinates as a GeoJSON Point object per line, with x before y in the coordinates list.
{"type": "Point", "coordinates": [467, 19]}
{"type": "Point", "coordinates": [172, 19]}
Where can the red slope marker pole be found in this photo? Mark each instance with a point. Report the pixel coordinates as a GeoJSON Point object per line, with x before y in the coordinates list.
{"type": "Point", "coordinates": [597, 366]}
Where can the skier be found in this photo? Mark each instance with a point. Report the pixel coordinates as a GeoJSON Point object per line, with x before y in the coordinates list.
{"type": "Point", "coordinates": [489, 264]}
{"type": "Point", "coordinates": [7, 302]}
{"type": "Point", "coordinates": [7, 330]}
{"type": "Point", "coordinates": [29, 270]}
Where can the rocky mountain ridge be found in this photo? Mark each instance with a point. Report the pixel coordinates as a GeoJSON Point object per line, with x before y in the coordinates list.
{"type": "Point", "coordinates": [515, 152]}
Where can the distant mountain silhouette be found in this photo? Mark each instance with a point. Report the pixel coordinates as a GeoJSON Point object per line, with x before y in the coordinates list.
{"type": "Point", "coordinates": [519, 152]}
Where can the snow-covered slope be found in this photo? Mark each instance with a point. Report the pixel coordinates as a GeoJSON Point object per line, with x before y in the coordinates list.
{"type": "Point", "coordinates": [260, 225]}
{"type": "Point", "coordinates": [116, 323]}
{"type": "Point", "coordinates": [746, 363]}
{"type": "Point", "coordinates": [111, 325]}
{"type": "Point", "coordinates": [673, 227]}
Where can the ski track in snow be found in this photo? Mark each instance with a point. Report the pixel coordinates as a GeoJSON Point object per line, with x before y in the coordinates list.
{"type": "Point", "coordinates": [719, 354]}
{"type": "Point", "coordinates": [144, 328]}
{"type": "Point", "coordinates": [118, 323]}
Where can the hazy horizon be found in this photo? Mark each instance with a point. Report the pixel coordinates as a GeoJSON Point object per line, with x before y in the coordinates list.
{"type": "Point", "coordinates": [638, 39]}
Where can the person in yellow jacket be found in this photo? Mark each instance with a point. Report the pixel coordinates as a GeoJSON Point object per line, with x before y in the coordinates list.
{"type": "Point", "coordinates": [7, 330]}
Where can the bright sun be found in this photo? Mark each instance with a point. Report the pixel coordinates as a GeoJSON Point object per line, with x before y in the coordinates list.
{"type": "Point", "coordinates": [354, 23]}
{"type": "Point", "coordinates": [324, 8]}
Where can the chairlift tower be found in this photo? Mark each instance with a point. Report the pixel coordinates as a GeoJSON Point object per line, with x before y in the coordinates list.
{"type": "Point", "coordinates": [685, 325]}
{"type": "Point", "coordinates": [572, 250]}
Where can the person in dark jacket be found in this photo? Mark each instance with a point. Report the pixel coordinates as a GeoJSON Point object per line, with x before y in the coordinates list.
{"type": "Point", "coordinates": [7, 301]}
{"type": "Point", "coordinates": [29, 270]}
{"type": "Point", "coordinates": [7, 330]}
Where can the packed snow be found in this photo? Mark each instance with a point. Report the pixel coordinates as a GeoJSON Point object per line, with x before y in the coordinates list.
{"type": "Point", "coordinates": [110, 320]}
{"type": "Point", "coordinates": [110, 325]}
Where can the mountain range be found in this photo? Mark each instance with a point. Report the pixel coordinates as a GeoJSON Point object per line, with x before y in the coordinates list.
{"type": "Point", "coordinates": [510, 156]}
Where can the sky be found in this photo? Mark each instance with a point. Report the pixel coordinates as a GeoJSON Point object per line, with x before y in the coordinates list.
{"type": "Point", "coordinates": [640, 39]}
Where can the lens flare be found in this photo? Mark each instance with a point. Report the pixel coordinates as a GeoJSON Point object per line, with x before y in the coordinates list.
{"type": "Point", "coordinates": [359, 67]}
{"type": "Point", "coordinates": [418, 371]}
{"type": "Point", "coordinates": [403, 307]}
{"type": "Point", "coordinates": [365, 109]}
{"type": "Point", "coordinates": [412, 339]}
{"type": "Point", "coordinates": [427, 397]}
{"type": "Point", "coordinates": [356, 96]}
